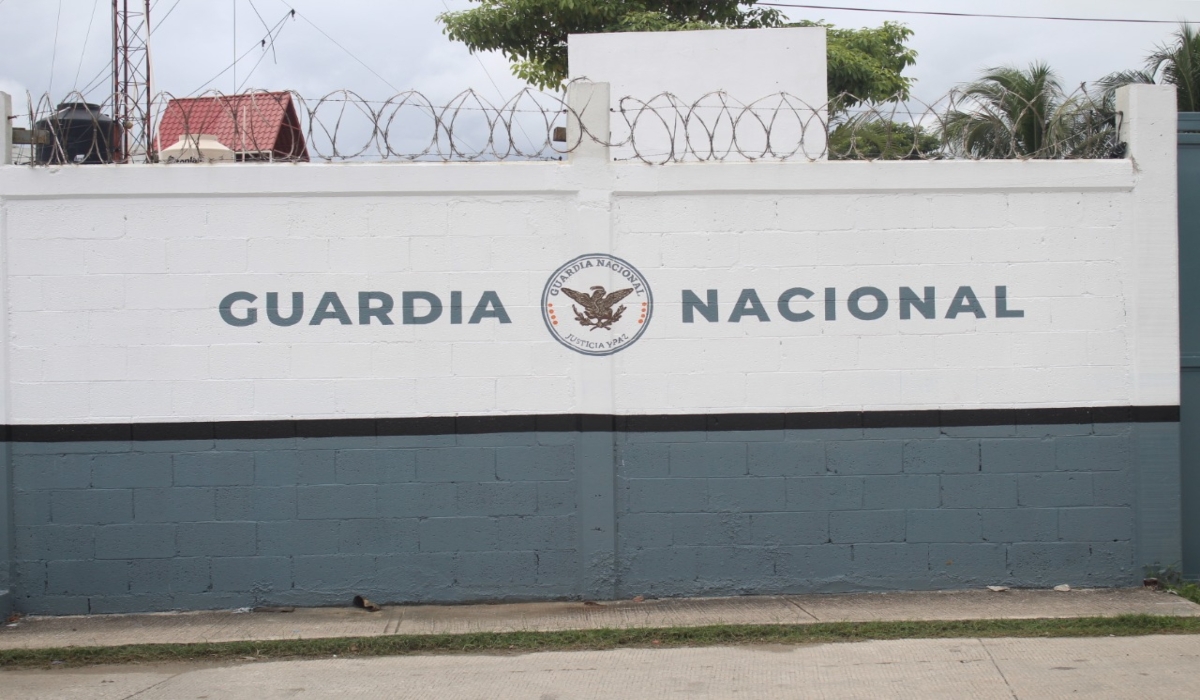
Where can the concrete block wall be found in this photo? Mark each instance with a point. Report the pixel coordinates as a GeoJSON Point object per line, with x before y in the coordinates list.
{"type": "Point", "coordinates": [121, 526]}
{"type": "Point", "coordinates": [114, 280]}
{"type": "Point", "coordinates": [160, 456]}
{"type": "Point", "coordinates": [791, 511]}
{"type": "Point", "coordinates": [126, 526]}
{"type": "Point", "coordinates": [6, 534]}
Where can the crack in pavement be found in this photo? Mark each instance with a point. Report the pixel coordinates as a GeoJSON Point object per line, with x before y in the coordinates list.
{"type": "Point", "coordinates": [799, 607]}
{"type": "Point", "coordinates": [152, 687]}
{"type": "Point", "coordinates": [998, 670]}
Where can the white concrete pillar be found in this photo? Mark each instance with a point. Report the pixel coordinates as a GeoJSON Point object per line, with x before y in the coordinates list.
{"type": "Point", "coordinates": [588, 126]}
{"type": "Point", "coordinates": [1149, 124]}
{"type": "Point", "coordinates": [590, 170]}
{"type": "Point", "coordinates": [6, 138]}
{"type": "Point", "coordinates": [6, 515]}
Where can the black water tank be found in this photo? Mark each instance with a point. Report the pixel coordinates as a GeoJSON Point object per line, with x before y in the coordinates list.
{"type": "Point", "coordinates": [79, 133]}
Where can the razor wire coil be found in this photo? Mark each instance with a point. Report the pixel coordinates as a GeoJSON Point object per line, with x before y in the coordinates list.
{"type": "Point", "coordinates": [664, 128]}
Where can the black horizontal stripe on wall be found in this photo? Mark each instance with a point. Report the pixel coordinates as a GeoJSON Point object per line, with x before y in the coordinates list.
{"type": "Point", "coordinates": [560, 423]}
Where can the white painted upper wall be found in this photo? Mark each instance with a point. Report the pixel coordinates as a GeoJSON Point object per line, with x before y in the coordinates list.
{"type": "Point", "coordinates": [748, 64]}
{"type": "Point", "coordinates": [114, 275]}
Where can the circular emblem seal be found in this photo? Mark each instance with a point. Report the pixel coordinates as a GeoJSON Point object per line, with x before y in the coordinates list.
{"type": "Point", "coordinates": [597, 304]}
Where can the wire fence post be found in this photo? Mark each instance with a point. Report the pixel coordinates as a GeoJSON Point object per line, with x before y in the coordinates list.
{"type": "Point", "coordinates": [588, 124]}
{"type": "Point", "coordinates": [6, 131]}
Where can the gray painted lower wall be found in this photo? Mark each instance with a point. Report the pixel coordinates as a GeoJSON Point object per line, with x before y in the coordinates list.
{"type": "Point", "coordinates": [1160, 496]}
{"type": "Point", "coordinates": [850, 510]}
{"type": "Point", "coordinates": [1190, 467]}
{"type": "Point", "coordinates": [138, 526]}
{"type": "Point", "coordinates": [6, 534]}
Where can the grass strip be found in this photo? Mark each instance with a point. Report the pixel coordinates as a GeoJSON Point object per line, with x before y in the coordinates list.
{"type": "Point", "coordinates": [1189, 591]}
{"type": "Point", "coordinates": [522, 642]}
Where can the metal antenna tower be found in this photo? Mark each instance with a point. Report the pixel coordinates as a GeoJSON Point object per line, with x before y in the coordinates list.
{"type": "Point", "coordinates": [132, 96]}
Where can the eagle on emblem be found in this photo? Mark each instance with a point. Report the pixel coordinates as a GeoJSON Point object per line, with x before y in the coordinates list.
{"type": "Point", "coordinates": [598, 307]}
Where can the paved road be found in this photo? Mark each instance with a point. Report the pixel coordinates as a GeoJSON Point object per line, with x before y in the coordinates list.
{"type": "Point", "coordinates": [1137, 667]}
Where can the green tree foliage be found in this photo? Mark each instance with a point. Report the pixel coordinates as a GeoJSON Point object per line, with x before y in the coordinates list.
{"type": "Point", "coordinates": [1175, 63]}
{"type": "Point", "coordinates": [1025, 113]}
{"type": "Point", "coordinates": [865, 63]}
{"type": "Point", "coordinates": [532, 34]}
{"type": "Point", "coordinates": [880, 139]}
{"type": "Point", "coordinates": [1179, 65]}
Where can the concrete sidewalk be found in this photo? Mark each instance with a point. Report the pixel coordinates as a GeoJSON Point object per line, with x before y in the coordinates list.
{"type": "Point", "coordinates": [1126, 667]}
{"type": "Point", "coordinates": [183, 628]}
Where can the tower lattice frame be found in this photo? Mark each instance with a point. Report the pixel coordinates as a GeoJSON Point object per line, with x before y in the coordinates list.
{"type": "Point", "coordinates": [132, 95]}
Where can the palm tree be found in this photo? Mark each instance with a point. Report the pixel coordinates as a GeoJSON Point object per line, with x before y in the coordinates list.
{"type": "Point", "coordinates": [1180, 66]}
{"type": "Point", "coordinates": [1025, 113]}
{"type": "Point", "coordinates": [1174, 63]}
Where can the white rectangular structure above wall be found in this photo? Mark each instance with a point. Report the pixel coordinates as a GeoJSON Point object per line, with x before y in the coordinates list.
{"type": "Point", "coordinates": [257, 292]}
{"type": "Point", "coordinates": [659, 79]}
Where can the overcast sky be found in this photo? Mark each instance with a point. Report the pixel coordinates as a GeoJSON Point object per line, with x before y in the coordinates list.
{"type": "Point", "coordinates": [401, 41]}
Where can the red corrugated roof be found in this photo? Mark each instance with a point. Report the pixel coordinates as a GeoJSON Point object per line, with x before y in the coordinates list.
{"type": "Point", "coordinates": [257, 122]}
